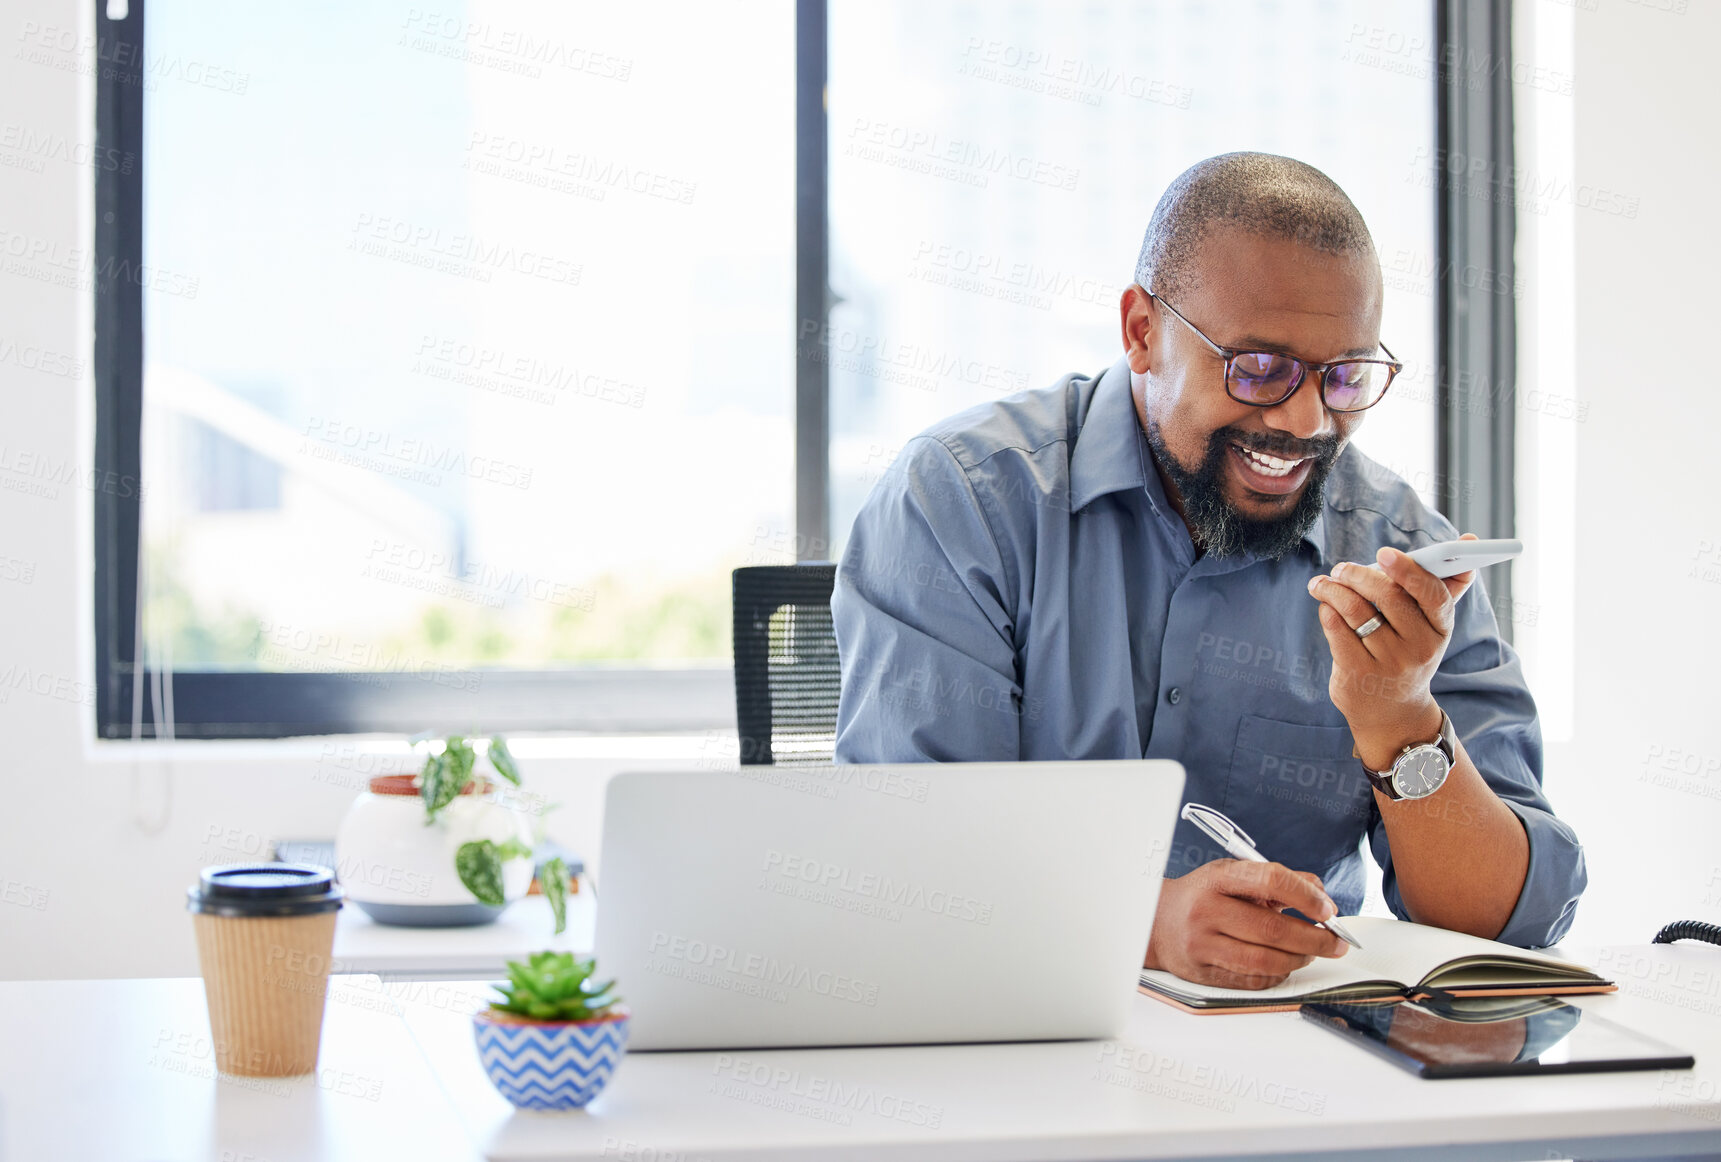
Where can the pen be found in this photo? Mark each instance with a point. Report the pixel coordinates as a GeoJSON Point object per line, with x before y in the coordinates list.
{"type": "Point", "coordinates": [1235, 840]}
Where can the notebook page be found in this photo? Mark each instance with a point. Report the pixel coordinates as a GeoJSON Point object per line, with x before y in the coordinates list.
{"type": "Point", "coordinates": [1394, 950]}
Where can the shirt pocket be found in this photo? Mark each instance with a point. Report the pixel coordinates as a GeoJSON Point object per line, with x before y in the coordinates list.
{"type": "Point", "coordinates": [1299, 791]}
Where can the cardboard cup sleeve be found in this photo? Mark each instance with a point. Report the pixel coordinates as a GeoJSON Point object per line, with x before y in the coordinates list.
{"type": "Point", "coordinates": [266, 978]}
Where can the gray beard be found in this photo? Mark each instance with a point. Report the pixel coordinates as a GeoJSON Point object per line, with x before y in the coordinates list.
{"type": "Point", "coordinates": [1214, 522]}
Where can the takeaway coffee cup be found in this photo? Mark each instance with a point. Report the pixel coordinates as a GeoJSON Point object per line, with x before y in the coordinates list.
{"type": "Point", "coordinates": [264, 935]}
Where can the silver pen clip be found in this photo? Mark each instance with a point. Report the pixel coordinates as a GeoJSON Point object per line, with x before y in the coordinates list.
{"type": "Point", "coordinates": [1221, 830]}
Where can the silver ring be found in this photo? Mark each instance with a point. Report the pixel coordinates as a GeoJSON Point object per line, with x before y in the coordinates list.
{"type": "Point", "coordinates": [1369, 626]}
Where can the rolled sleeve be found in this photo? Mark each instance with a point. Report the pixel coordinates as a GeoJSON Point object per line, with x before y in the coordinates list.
{"type": "Point", "coordinates": [1480, 685]}
{"type": "Point", "coordinates": [924, 633]}
{"type": "Point", "coordinates": [1553, 884]}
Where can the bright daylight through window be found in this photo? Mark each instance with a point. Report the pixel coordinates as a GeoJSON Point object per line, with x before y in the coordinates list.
{"type": "Point", "coordinates": [486, 355]}
{"type": "Point", "coordinates": [484, 344]}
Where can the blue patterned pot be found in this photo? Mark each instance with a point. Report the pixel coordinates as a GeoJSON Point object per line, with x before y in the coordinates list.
{"type": "Point", "coordinates": [549, 1065]}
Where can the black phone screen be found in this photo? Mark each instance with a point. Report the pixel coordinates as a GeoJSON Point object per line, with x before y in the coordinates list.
{"type": "Point", "coordinates": [1493, 1036]}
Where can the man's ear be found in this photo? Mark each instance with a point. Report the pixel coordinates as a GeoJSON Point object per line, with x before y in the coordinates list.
{"type": "Point", "coordinates": [1140, 318]}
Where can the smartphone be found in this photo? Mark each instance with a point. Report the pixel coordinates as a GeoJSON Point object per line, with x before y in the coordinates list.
{"type": "Point", "coordinates": [1450, 558]}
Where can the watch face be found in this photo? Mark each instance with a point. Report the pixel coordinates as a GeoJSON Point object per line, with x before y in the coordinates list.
{"type": "Point", "coordinates": [1420, 773]}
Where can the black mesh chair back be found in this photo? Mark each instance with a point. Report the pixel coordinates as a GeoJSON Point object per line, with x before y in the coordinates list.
{"type": "Point", "coordinates": [786, 673]}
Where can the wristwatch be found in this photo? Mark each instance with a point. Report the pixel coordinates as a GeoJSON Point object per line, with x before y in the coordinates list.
{"type": "Point", "coordinates": [1420, 768]}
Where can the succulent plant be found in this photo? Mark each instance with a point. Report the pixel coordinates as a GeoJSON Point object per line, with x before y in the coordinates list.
{"type": "Point", "coordinates": [555, 986]}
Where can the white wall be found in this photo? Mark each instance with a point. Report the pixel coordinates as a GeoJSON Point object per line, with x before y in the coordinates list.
{"type": "Point", "coordinates": [88, 887]}
{"type": "Point", "coordinates": [57, 809]}
{"type": "Point", "coordinates": [1648, 631]}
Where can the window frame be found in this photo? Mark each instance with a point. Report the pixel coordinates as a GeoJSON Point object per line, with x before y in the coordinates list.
{"type": "Point", "coordinates": [1476, 330]}
{"type": "Point", "coordinates": [207, 704]}
{"type": "Point", "coordinates": [1475, 341]}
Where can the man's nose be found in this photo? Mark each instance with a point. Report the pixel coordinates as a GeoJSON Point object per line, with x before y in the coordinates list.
{"type": "Point", "coordinates": [1304, 415]}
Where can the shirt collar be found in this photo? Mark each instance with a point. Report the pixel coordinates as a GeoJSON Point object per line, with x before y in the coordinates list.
{"type": "Point", "coordinates": [1108, 456]}
{"type": "Point", "coordinates": [1112, 455]}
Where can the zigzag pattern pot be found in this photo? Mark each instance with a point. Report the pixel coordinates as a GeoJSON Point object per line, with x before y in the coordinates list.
{"type": "Point", "coordinates": [549, 1065]}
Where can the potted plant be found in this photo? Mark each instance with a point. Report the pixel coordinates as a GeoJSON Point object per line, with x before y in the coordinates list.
{"type": "Point", "coordinates": [479, 862]}
{"type": "Point", "coordinates": [444, 847]}
{"type": "Point", "coordinates": [554, 1037]}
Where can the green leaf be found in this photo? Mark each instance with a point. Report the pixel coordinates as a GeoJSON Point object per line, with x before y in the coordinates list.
{"type": "Point", "coordinates": [553, 986]}
{"type": "Point", "coordinates": [519, 978]}
{"type": "Point", "coordinates": [512, 848]}
{"type": "Point", "coordinates": [554, 880]}
{"type": "Point", "coordinates": [480, 870]}
{"type": "Point", "coordinates": [503, 760]}
{"type": "Point", "coordinates": [462, 758]}
{"type": "Point", "coordinates": [436, 785]}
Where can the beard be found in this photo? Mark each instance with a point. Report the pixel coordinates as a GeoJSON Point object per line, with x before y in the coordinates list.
{"type": "Point", "coordinates": [1215, 524]}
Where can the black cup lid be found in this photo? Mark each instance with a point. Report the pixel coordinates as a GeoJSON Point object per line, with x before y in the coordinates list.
{"type": "Point", "coordinates": [264, 889]}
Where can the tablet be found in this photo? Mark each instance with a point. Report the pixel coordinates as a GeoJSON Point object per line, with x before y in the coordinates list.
{"type": "Point", "coordinates": [1495, 1037]}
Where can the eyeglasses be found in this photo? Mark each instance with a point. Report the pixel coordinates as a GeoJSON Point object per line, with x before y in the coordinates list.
{"type": "Point", "coordinates": [1264, 379]}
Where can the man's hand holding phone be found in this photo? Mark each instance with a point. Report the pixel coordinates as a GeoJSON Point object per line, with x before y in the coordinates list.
{"type": "Point", "coordinates": [1223, 924]}
{"type": "Point", "coordinates": [1388, 625]}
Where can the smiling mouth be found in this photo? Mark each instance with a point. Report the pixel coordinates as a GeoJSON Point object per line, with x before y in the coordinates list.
{"type": "Point", "coordinates": [1270, 465]}
{"type": "Point", "coordinates": [1272, 479]}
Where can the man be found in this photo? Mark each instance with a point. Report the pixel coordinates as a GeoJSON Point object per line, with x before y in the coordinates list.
{"type": "Point", "coordinates": [1170, 560]}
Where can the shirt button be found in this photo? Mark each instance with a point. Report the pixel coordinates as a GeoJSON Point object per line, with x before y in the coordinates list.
{"type": "Point", "coordinates": [1174, 695]}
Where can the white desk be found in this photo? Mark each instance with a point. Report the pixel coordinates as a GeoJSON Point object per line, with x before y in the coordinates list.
{"type": "Point", "coordinates": [121, 1070]}
{"type": "Point", "coordinates": [82, 1076]}
{"type": "Point", "coordinates": [477, 953]}
{"type": "Point", "coordinates": [1260, 1086]}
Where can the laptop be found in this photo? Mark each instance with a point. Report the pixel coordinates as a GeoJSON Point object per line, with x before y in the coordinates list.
{"type": "Point", "coordinates": [881, 905]}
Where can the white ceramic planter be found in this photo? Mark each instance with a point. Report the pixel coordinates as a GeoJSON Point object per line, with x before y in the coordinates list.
{"type": "Point", "coordinates": [400, 870]}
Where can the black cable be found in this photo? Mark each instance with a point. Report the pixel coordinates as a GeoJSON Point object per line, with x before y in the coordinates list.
{"type": "Point", "coordinates": [1689, 930]}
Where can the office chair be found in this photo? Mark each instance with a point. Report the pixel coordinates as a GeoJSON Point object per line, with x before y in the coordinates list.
{"type": "Point", "coordinates": [786, 673]}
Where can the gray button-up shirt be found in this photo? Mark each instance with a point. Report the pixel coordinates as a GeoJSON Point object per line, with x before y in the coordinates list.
{"type": "Point", "coordinates": [1018, 587]}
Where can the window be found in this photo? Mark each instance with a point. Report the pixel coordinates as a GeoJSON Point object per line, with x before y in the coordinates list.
{"type": "Point", "coordinates": [463, 354]}
{"type": "Point", "coordinates": [993, 168]}
{"type": "Point", "coordinates": [467, 359]}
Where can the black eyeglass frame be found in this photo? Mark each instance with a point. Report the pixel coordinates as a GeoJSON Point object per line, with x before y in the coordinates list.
{"type": "Point", "coordinates": [1230, 355]}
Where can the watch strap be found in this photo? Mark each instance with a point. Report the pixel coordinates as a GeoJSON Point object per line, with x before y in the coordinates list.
{"type": "Point", "coordinates": [1446, 741]}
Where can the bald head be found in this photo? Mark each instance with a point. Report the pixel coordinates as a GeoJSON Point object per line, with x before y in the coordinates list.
{"type": "Point", "coordinates": [1261, 193]}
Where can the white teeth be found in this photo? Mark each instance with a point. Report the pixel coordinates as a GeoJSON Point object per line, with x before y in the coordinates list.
{"type": "Point", "coordinates": [1267, 465]}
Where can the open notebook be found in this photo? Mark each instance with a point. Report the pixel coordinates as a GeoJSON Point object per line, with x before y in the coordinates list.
{"type": "Point", "coordinates": [1398, 961]}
